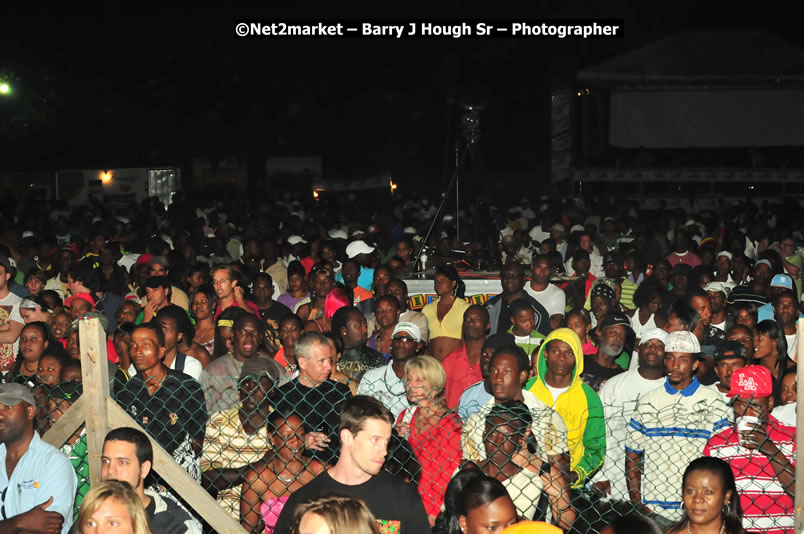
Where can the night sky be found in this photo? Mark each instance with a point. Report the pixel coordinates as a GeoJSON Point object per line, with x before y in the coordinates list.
{"type": "Point", "coordinates": [129, 85]}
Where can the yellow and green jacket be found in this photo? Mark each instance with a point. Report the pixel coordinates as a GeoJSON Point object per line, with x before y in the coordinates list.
{"type": "Point", "coordinates": [579, 406]}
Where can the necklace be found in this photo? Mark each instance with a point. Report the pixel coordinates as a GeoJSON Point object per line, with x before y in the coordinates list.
{"type": "Point", "coordinates": [381, 343]}
{"type": "Point", "coordinates": [287, 480]}
{"type": "Point", "coordinates": [388, 386]}
{"type": "Point", "coordinates": [722, 527]}
{"type": "Point", "coordinates": [152, 385]}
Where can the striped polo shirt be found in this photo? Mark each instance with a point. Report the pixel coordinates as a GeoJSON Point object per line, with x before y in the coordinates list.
{"type": "Point", "coordinates": [766, 507]}
{"type": "Point", "coordinates": [670, 428]}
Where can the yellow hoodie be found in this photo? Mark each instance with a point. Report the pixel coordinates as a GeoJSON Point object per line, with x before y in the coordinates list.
{"type": "Point", "coordinates": [579, 406]}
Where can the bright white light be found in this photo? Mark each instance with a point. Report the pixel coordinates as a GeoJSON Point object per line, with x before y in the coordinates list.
{"type": "Point", "coordinates": [4, 89]}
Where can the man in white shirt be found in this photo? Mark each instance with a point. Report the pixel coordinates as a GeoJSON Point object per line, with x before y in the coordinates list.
{"type": "Point", "coordinates": [718, 293]}
{"type": "Point", "coordinates": [548, 295]}
{"type": "Point", "coordinates": [619, 396]}
{"type": "Point", "coordinates": [508, 372]}
{"type": "Point", "coordinates": [785, 312]}
{"type": "Point", "coordinates": [10, 320]}
{"type": "Point", "coordinates": [669, 428]}
{"type": "Point", "coordinates": [387, 383]}
{"type": "Point", "coordinates": [586, 243]}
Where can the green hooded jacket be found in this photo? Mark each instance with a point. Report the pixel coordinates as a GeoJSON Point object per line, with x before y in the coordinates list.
{"type": "Point", "coordinates": [579, 406]}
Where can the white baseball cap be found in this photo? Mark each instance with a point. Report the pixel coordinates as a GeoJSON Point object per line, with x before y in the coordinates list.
{"type": "Point", "coordinates": [355, 248]}
{"type": "Point", "coordinates": [409, 328]}
{"type": "Point", "coordinates": [337, 234]}
{"type": "Point", "coordinates": [682, 341]}
{"type": "Point", "coordinates": [717, 287]}
{"type": "Point", "coordinates": [653, 333]}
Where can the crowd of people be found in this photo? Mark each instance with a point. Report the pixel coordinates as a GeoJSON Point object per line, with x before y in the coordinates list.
{"type": "Point", "coordinates": [636, 369]}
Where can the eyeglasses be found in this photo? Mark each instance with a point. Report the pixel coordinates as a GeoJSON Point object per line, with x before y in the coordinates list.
{"type": "Point", "coordinates": [220, 281]}
{"type": "Point", "coordinates": [404, 339]}
{"type": "Point", "coordinates": [249, 333]}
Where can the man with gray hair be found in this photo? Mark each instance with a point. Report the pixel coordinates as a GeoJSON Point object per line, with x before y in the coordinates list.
{"type": "Point", "coordinates": [610, 359]}
{"type": "Point", "coordinates": [314, 397]}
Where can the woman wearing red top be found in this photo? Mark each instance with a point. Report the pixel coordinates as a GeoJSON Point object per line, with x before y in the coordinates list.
{"type": "Point", "coordinates": [433, 431]}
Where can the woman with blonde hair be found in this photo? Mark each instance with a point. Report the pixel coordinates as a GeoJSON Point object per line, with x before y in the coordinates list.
{"type": "Point", "coordinates": [433, 431]}
{"type": "Point", "coordinates": [335, 515]}
{"type": "Point", "coordinates": [112, 504]}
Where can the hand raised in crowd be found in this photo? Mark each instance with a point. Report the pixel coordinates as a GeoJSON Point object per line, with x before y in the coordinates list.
{"type": "Point", "coordinates": [316, 441]}
{"type": "Point", "coordinates": [148, 312]}
{"type": "Point", "coordinates": [757, 439]}
{"type": "Point", "coordinates": [238, 294]}
{"type": "Point", "coordinates": [38, 519]}
{"type": "Point", "coordinates": [524, 459]}
{"type": "Point", "coordinates": [403, 429]}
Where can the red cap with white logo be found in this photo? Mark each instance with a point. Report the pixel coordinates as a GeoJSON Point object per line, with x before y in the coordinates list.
{"type": "Point", "coordinates": [751, 381]}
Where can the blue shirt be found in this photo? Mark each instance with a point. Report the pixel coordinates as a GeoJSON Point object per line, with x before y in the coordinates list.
{"type": "Point", "coordinates": [365, 280]}
{"type": "Point", "coordinates": [42, 472]}
{"type": "Point", "coordinates": [472, 399]}
{"type": "Point", "coordinates": [766, 312]}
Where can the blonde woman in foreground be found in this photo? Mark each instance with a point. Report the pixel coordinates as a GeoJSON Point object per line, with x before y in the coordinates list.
{"type": "Point", "coordinates": [112, 506]}
{"type": "Point", "coordinates": [335, 515]}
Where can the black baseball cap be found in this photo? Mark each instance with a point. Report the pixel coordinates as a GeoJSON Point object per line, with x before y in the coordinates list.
{"type": "Point", "coordinates": [730, 350]}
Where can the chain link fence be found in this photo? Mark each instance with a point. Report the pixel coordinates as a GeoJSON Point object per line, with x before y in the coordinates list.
{"type": "Point", "coordinates": [254, 453]}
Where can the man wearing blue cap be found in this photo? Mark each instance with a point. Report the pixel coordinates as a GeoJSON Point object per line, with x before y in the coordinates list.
{"type": "Point", "coordinates": [779, 284]}
{"type": "Point", "coordinates": [37, 486]}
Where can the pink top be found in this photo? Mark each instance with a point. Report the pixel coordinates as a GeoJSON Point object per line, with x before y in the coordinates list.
{"type": "Point", "coordinates": [270, 511]}
{"type": "Point", "coordinates": [588, 347]}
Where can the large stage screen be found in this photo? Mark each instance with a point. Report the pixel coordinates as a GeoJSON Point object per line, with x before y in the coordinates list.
{"type": "Point", "coordinates": [707, 119]}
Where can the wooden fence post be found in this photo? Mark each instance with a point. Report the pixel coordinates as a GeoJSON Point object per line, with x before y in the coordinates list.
{"type": "Point", "coordinates": [101, 413]}
{"type": "Point", "coordinates": [95, 374]}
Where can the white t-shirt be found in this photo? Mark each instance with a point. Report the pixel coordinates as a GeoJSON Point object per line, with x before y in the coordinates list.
{"type": "Point", "coordinates": [10, 311]}
{"type": "Point", "coordinates": [537, 234]}
{"type": "Point", "coordinates": [619, 396]}
{"type": "Point", "coordinates": [786, 414]}
{"type": "Point", "coordinates": [551, 297]}
{"type": "Point", "coordinates": [595, 265]}
{"type": "Point", "coordinates": [555, 392]}
{"type": "Point", "coordinates": [792, 345]}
